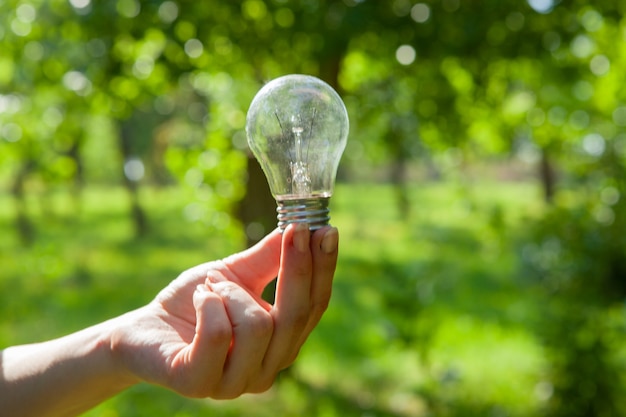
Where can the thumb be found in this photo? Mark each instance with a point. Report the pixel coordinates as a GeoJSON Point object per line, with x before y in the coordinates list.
{"type": "Point", "coordinates": [255, 267]}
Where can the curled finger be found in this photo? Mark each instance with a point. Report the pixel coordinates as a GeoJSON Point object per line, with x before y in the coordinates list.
{"type": "Point", "coordinates": [202, 363]}
{"type": "Point", "coordinates": [252, 328]}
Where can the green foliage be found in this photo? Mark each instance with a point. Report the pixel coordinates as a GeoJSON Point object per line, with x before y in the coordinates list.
{"type": "Point", "coordinates": [433, 88]}
{"type": "Point", "coordinates": [418, 78]}
{"type": "Point", "coordinates": [576, 255]}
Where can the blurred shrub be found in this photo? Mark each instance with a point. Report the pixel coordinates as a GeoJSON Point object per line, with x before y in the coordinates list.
{"type": "Point", "coordinates": [576, 258]}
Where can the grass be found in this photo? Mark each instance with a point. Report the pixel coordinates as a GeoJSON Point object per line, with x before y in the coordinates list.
{"type": "Point", "coordinates": [428, 313]}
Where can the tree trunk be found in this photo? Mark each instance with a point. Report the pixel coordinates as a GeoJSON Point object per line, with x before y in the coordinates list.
{"type": "Point", "coordinates": [138, 215]}
{"type": "Point", "coordinates": [257, 213]}
{"type": "Point", "coordinates": [257, 209]}
{"type": "Point", "coordinates": [399, 180]}
{"type": "Point", "coordinates": [79, 174]}
{"type": "Point", "coordinates": [23, 224]}
{"type": "Point", "coordinates": [547, 176]}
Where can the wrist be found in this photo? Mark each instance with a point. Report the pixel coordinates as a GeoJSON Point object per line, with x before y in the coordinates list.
{"type": "Point", "coordinates": [115, 347]}
{"type": "Point", "coordinates": [103, 371]}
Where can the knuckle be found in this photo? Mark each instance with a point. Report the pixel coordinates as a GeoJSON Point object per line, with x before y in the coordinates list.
{"type": "Point", "coordinates": [260, 323]}
{"type": "Point", "coordinates": [291, 359]}
{"type": "Point", "coordinates": [228, 393]}
{"type": "Point", "coordinates": [262, 384]}
{"type": "Point", "coordinates": [319, 307]}
{"type": "Point", "coordinates": [303, 270]}
{"type": "Point", "coordinates": [210, 388]}
{"type": "Point", "coordinates": [220, 333]}
{"type": "Point", "coordinates": [298, 319]}
{"type": "Point", "coordinates": [192, 388]}
{"type": "Point", "coordinates": [198, 392]}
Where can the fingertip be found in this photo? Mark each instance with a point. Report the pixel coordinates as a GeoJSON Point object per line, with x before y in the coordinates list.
{"type": "Point", "coordinates": [212, 318]}
{"type": "Point", "coordinates": [201, 289]}
{"type": "Point", "coordinates": [255, 266]}
{"type": "Point", "coordinates": [201, 295]}
{"type": "Point", "coordinates": [301, 237]}
{"type": "Point", "coordinates": [214, 276]}
{"type": "Point", "coordinates": [330, 241]}
{"type": "Point", "coordinates": [326, 240]}
{"type": "Point", "coordinates": [272, 237]}
{"type": "Point", "coordinates": [288, 231]}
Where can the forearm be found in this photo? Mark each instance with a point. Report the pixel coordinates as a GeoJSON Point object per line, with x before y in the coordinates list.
{"type": "Point", "coordinates": [61, 377]}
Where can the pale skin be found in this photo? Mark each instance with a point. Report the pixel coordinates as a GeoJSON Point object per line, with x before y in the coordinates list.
{"type": "Point", "coordinates": [207, 334]}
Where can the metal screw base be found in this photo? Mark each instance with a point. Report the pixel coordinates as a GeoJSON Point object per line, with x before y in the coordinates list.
{"type": "Point", "coordinates": [313, 211]}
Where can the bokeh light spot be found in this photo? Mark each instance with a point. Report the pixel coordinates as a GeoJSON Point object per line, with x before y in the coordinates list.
{"type": "Point", "coordinates": [594, 144]}
{"type": "Point", "coordinates": [284, 17]}
{"type": "Point", "coordinates": [254, 9]}
{"type": "Point", "coordinates": [541, 6]}
{"type": "Point", "coordinates": [53, 117]}
{"type": "Point", "coordinates": [579, 119]}
{"type": "Point", "coordinates": [11, 132]}
{"type": "Point", "coordinates": [10, 104]}
{"type": "Point", "coordinates": [557, 115]}
{"type": "Point", "coordinates": [168, 11]}
{"type": "Point", "coordinates": [20, 28]}
{"type": "Point", "coordinates": [604, 215]}
{"type": "Point", "coordinates": [515, 21]}
{"type": "Point", "coordinates": [420, 13]}
{"type": "Point", "coordinates": [34, 51]}
{"type": "Point", "coordinates": [128, 8]}
{"type": "Point", "coordinates": [600, 65]}
{"type": "Point", "coordinates": [582, 46]}
{"type": "Point", "coordinates": [592, 20]}
{"type": "Point", "coordinates": [26, 13]}
{"type": "Point", "coordinates": [406, 54]}
{"type": "Point", "coordinates": [77, 82]}
{"type": "Point", "coordinates": [143, 67]}
{"type": "Point", "coordinates": [194, 48]}
{"type": "Point", "coordinates": [536, 117]}
{"type": "Point", "coordinates": [401, 7]}
{"type": "Point", "coordinates": [619, 116]}
{"type": "Point", "coordinates": [609, 195]}
{"type": "Point", "coordinates": [134, 169]}
{"type": "Point", "coordinates": [80, 5]}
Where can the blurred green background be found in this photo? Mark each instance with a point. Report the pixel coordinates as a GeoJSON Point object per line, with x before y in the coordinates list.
{"type": "Point", "coordinates": [480, 198]}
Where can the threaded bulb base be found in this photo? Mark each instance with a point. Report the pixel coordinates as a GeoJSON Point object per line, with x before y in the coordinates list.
{"type": "Point", "coordinates": [312, 211]}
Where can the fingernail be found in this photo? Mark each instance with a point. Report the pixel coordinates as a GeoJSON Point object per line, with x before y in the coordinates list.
{"type": "Point", "coordinates": [330, 241]}
{"type": "Point", "coordinates": [301, 237]}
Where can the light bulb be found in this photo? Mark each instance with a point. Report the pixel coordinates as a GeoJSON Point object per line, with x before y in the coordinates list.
{"type": "Point", "coordinates": [297, 128]}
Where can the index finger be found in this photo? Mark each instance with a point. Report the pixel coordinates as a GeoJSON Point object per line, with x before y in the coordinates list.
{"type": "Point", "coordinates": [324, 249]}
{"type": "Point", "coordinates": [293, 291]}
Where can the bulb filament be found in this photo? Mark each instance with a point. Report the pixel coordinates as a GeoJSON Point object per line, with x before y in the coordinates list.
{"type": "Point", "coordinates": [300, 179]}
{"type": "Point", "coordinates": [300, 176]}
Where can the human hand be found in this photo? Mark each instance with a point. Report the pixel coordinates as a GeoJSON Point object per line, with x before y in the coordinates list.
{"type": "Point", "coordinates": [229, 341]}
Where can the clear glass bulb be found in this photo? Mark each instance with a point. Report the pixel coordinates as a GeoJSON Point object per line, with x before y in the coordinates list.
{"type": "Point", "coordinates": [297, 128]}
